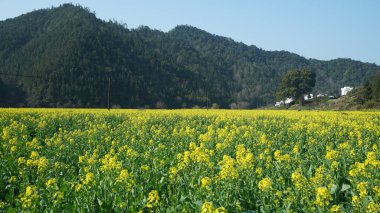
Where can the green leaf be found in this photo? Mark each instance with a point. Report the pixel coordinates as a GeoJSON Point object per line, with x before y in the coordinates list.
{"type": "Point", "coordinates": [345, 187]}
{"type": "Point", "coordinates": [333, 189]}
{"type": "Point", "coordinates": [100, 202]}
{"type": "Point", "coordinates": [183, 198]}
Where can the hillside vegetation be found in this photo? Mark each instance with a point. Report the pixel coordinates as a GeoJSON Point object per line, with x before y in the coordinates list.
{"type": "Point", "coordinates": [66, 57]}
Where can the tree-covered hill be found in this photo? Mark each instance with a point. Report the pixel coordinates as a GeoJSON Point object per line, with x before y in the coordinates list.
{"type": "Point", "coordinates": [66, 57]}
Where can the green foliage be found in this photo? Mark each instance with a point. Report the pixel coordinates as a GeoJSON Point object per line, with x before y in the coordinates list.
{"type": "Point", "coordinates": [375, 87]}
{"type": "Point", "coordinates": [63, 57]}
{"type": "Point", "coordinates": [367, 95]}
{"type": "Point", "coordinates": [296, 83]}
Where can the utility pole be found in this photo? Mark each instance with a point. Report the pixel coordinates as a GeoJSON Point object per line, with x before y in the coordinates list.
{"type": "Point", "coordinates": [109, 89]}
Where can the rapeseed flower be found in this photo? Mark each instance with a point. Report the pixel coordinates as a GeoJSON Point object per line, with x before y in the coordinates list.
{"type": "Point", "coordinates": [362, 188]}
{"type": "Point", "coordinates": [13, 179]}
{"type": "Point", "coordinates": [51, 183]}
{"type": "Point", "coordinates": [207, 207]}
{"type": "Point", "coordinates": [336, 208]}
{"type": "Point", "coordinates": [299, 180]}
{"type": "Point", "coordinates": [244, 157]}
{"type": "Point", "coordinates": [228, 170]}
{"type": "Point", "coordinates": [153, 199]}
{"type": "Point", "coordinates": [373, 207]}
{"type": "Point", "coordinates": [323, 197]}
{"type": "Point", "coordinates": [356, 202]}
{"type": "Point", "coordinates": [265, 184]}
{"type": "Point", "coordinates": [2, 204]}
{"type": "Point", "coordinates": [30, 197]}
{"type": "Point", "coordinates": [89, 179]}
{"type": "Point", "coordinates": [206, 182]}
{"type": "Point", "coordinates": [220, 210]}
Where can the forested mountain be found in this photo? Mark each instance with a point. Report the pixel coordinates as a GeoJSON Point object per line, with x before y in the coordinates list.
{"type": "Point", "coordinates": [66, 57]}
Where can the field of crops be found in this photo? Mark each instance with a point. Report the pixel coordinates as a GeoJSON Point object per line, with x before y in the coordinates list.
{"type": "Point", "coordinates": [189, 161]}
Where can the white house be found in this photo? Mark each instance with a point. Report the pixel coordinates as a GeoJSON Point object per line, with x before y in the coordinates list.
{"type": "Point", "coordinates": [320, 95]}
{"type": "Point", "coordinates": [346, 90]}
{"type": "Point", "coordinates": [287, 101]}
{"type": "Point", "coordinates": [280, 103]}
{"type": "Point", "coordinates": [308, 96]}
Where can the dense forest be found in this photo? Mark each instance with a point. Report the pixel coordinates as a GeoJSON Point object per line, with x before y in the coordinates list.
{"type": "Point", "coordinates": [66, 57]}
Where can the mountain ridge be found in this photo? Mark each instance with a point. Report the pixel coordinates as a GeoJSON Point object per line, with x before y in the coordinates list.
{"type": "Point", "coordinates": [76, 53]}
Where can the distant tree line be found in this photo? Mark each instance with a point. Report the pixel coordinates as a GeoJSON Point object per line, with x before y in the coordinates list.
{"type": "Point", "coordinates": [65, 57]}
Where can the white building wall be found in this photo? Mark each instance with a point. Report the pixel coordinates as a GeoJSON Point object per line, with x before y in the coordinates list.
{"type": "Point", "coordinates": [346, 90]}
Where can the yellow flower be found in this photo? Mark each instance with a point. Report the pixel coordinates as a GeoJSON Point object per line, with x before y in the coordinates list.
{"type": "Point", "coordinates": [51, 182]}
{"type": "Point", "coordinates": [42, 164]}
{"type": "Point", "coordinates": [279, 194]}
{"type": "Point", "coordinates": [375, 148]}
{"type": "Point", "coordinates": [57, 197]}
{"type": "Point", "coordinates": [81, 159]}
{"type": "Point", "coordinates": [265, 184]}
{"type": "Point", "coordinates": [371, 159]}
{"type": "Point", "coordinates": [30, 191]}
{"type": "Point", "coordinates": [277, 154]}
{"type": "Point", "coordinates": [5, 135]}
{"type": "Point", "coordinates": [259, 171]}
{"type": "Point", "coordinates": [244, 157]}
{"type": "Point", "coordinates": [332, 155]}
{"type": "Point", "coordinates": [296, 149]}
{"type": "Point", "coordinates": [132, 153]}
{"type": "Point", "coordinates": [334, 165]}
{"type": "Point", "coordinates": [21, 160]}
{"type": "Point", "coordinates": [356, 201]}
{"type": "Point", "coordinates": [110, 163]}
{"type": "Point", "coordinates": [221, 210]}
{"type": "Point", "coordinates": [336, 208]}
{"type": "Point", "coordinates": [173, 171]}
{"type": "Point", "coordinates": [207, 207]}
{"type": "Point", "coordinates": [145, 168]}
{"type": "Point", "coordinates": [323, 197]}
{"type": "Point", "coordinates": [319, 175]}
{"type": "Point", "coordinates": [285, 157]}
{"type": "Point", "coordinates": [205, 182]}
{"type": "Point", "coordinates": [89, 179]}
{"type": "Point", "coordinates": [13, 179]}
{"type": "Point", "coordinates": [299, 180]}
{"type": "Point", "coordinates": [362, 188]}
{"type": "Point", "coordinates": [34, 155]}
{"type": "Point", "coordinates": [153, 199]}
{"type": "Point", "coordinates": [377, 190]}
{"type": "Point", "coordinates": [30, 197]}
{"type": "Point", "coordinates": [2, 204]}
{"type": "Point", "coordinates": [261, 156]}
{"type": "Point", "coordinates": [78, 187]}
{"type": "Point", "coordinates": [124, 175]}
{"type": "Point", "coordinates": [373, 207]}
{"type": "Point", "coordinates": [126, 179]}
{"type": "Point", "coordinates": [228, 170]}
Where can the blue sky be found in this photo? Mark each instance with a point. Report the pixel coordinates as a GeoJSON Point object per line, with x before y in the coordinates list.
{"type": "Point", "coordinates": [321, 29]}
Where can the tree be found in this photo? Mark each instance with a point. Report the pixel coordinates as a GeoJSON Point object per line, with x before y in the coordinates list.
{"type": "Point", "coordinates": [296, 84]}
{"type": "Point", "coordinates": [375, 86]}
{"type": "Point", "coordinates": [362, 94]}
{"type": "Point", "coordinates": [2, 92]}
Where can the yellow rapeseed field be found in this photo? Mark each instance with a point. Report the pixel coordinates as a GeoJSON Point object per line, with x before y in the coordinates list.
{"type": "Point", "coordinates": [55, 160]}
